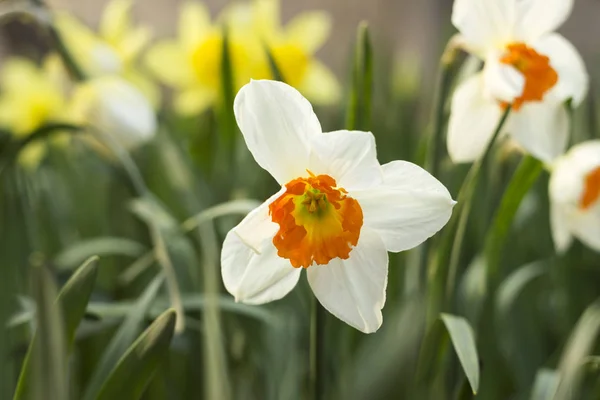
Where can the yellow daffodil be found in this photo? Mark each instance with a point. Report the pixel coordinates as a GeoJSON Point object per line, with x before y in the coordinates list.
{"type": "Point", "coordinates": [191, 63]}
{"type": "Point", "coordinates": [575, 196]}
{"type": "Point", "coordinates": [115, 49]}
{"type": "Point", "coordinates": [337, 214]}
{"type": "Point", "coordinates": [293, 47]}
{"type": "Point", "coordinates": [527, 65]}
{"type": "Point", "coordinates": [30, 97]}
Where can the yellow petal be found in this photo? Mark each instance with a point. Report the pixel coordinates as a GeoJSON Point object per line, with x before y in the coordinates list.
{"type": "Point", "coordinates": [18, 72]}
{"type": "Point", "coordinates": [116, 20]}
{"type": "Point", "coordinates": [194, 23]}
{"type": "Point", "coordinates": [32, 155]}
{"type": "Point", "coordinates": [170, 64]}
{"type": "Point", "coordinates": [145, 85]}
{"type": "Point", "coordinates": [319, 85]}
{"type": "Point", "coordinates": [133, 42]}
{"type": "Point", "coordinates": [194, 101]}
{"type": "Point", "coordinates": [266, 17]}
{"type": "Point", "coordinates": [309, 30]}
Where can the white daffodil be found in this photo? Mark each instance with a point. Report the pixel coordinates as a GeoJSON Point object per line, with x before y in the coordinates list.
{"type": "Point", "coordinates": [337, 214]}
{"type": "Point", "coordinates": [575, 197]}
{"type": "Point", "coordinates": [117, 109]}
{"type": "Point", "coordinates": [527, 65]}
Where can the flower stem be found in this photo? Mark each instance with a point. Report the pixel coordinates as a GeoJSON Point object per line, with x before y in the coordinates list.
{"type": "Point", "coordinates": [317, 347]}
{"type": "Point", "coordinates": [442, 278]}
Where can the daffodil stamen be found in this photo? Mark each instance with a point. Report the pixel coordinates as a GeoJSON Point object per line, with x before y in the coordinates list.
{"type": "Point", "coordinates": [539, 75]}
{"type": "Point", "coordinates": [317, 221]}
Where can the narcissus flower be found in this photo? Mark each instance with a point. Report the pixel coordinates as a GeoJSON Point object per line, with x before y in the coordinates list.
{"type": "Point", "coordinates": [293, 47]}
{"type": "Point", "coordinates": [192, 63]}
{"type": "Point", "coordinates": [337, 214]}
{"type": "Point", "coordinates": [115, 49]}
{"type": "Point", "coordinates": [527, 66]}
{"type": "Point", "coordinates": [575, 196]}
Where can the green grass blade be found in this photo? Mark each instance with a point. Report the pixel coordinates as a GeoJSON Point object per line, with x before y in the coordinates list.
{"type": "Point", "coordinates": [73, 298]}
{"type": "Point", "coordinates": [122, 339]}
{"type": "Point", "coordinates": [100, 246]}
{"type": "Point", "coordinates": [545, 385]}
{"type": "Point", "coordinates": [275, 71]}
{"type": "Point", "coordinates": [463, 340]}
{"type": "Point", "coordinates": [358, 113]}
{"type": "Point", "coordinates": [134, 370]}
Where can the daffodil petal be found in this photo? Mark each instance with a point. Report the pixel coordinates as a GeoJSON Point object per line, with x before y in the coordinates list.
{"type": "Point", "coordinates": [542, 128]}
{"type": "Point", "coordinates": [586, 227]}
{"type": "Point", "coordinates": [502, 82]}
{"type": "Point", "coordinates": [349, 156]}
{"type": "Point", "coordinates": [408, 208]}
{"type": "Point", "coordinates": [147, 86]}
{"type": "Point", "coordinates": [566, 182]}
{"type": "Point", "coordinates": [251, 269]}
{"type": "Point", "coordinates": [484, 23]}
{"type": "Point", "coordinates": [194, 23]}
{"type": "Point", "coordinates": [320, 85]}
{"type": "Point", "coordinates": [573, 80]}
{"type": "Point", "coordinates": [177, 72]}
{"type": "Point", "coordinates": [194, 100]}
{"type": "Point", "coordinates": [473, 119]}
{"type": "Point", "coordinates": [309, 30]}
{"type": "Point", "coordinates": [277, 124]}
{"type": "Point", "coordinates": [559, 224]}
{"type": "Point", "coordinates": [538, 17]}
{"type": "Point", "coordinates": [133, 42]}
{"type": "Point", "coordinates": [115, 21]}
{"type": "Point", "coordinates": [354, 289]}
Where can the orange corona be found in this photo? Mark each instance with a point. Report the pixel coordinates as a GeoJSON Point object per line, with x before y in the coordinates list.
{"type": "Point", "coordinates": [591, 190]}
{"type": "Point", "coordinates": [317, 221]}
{"type": "Point", "coordinates": [539, 75]}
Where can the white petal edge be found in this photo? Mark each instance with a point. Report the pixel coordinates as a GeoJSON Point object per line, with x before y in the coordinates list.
{"type": "Point", "coordinates": [538, 17]}
{"type": "Point", "coordinates": [350, 157]}
{"type": "Point", "coordinates": [251, 269]}
{"type": "Point", "coordinates": [408, 208]}
{"type": "Point", "coordinates": [542, 128]}
{"type": "Point", "coordinates": [586, 227]}
{"type": "Point", "coordinates": [277, 123]}
{"type": "Point", "coordinates": [354, 289]}
{"type": "Point", "coordinates": [502, 81]}
{"type": "Point", "coordinates": [573, 79]}
{"type": "Point", "coordinates": [559, 224]}
{"type": "Point", "coordinates": [473, 120]}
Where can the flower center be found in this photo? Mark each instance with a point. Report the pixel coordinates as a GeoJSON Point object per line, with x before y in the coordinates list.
{"type": "Point", "coordinates": [539, 75]}
{"type": "Point", "coordinates": [292, 62]}
{"type": "Point", "coordinates": [591, 190]}
{"type": "Point", "coordinates": [317, 221]}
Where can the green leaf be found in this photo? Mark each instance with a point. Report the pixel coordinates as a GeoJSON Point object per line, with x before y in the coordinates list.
{"type": "Point", "coordinates": [122, 339]}
{"type": "Point", "coordinates": [134, 370]}
{"type": "Point", "coordinates": [275, 71]}
{"type": "Point", "coordinates": [73, 299]}
{"type": "Point", "coordinates": [463, 340]}
{"type": "Point", "coordinates": [578, 347]}
{"type": "Point", "coordinates": [358, 113]}
{"type": "Point", "coordinates": [545, 384]}
{"type": "Point", "coordinates": [513, 285]}
{"type": "Point", "coordinates": [101, 246]}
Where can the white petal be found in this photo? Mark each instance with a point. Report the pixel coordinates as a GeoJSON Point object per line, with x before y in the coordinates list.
{"type": "Point", "coordinates": [542, 128]}
{"type": "Point", "coordinates": [502, 81]}
{"type": "Point", "coordinates": [559, 224]}
{"type": "Point", "coordinates": [277, 124]}
{"type": "Point", "coordinates": [354, 289]}
{"type": "Point", "coordinates": [573, 79]}
{"type": "Point", "coordinates": [538, 17]}
{"type": "Point", "coordinates": [586, 227]}
{"type": "Point", "coordinates": [409, 207]}
{"type": "Point", "coordinates": [485, 24]}
{"type": "Point", "coordinates": [349, 157]}
{"type": "Point", "coordinates": [251, 269]}
{"type": "Point", "coordinates": [473, 120]}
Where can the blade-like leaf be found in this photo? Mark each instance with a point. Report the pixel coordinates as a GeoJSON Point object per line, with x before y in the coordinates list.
{"type": "Point", "coordinates": [463, 340]}
{"type": "Point", "coordinates": [101, 246]}
{"type": "Point", "coordinates": [135, 369]}
{"type": "Point", "coordinates": [122, 339]}
{"type": "Point", "coordinates": [73, 299]}
{"type": "Point", "coordinates": [358, 115]}
{"type": "Point", "coordinates": [545, 385]}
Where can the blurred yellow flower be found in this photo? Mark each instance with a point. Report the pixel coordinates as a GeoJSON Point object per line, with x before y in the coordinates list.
{"type": "Point", "coordinates": [191, 63]}
{"type": "Point", "coordinates": [115, 49]}
{"type": "Point", "coordinates": [293, 47]}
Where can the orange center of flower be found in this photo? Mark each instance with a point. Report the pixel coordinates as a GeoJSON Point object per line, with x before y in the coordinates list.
{"type": "Point", "coordinates": [317, 221]}
{"type": "Point", "coordinates": [591, 190]}
{"type": "Point", "coordinates": [539, 74]}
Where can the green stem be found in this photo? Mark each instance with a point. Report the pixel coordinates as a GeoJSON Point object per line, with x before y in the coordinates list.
{"type": "Point", "coordinates": [317, 348]}
{"type": "Point", "coordinates": [358, 115]}
{"type": "Point", "coordinates": [451, 241]}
